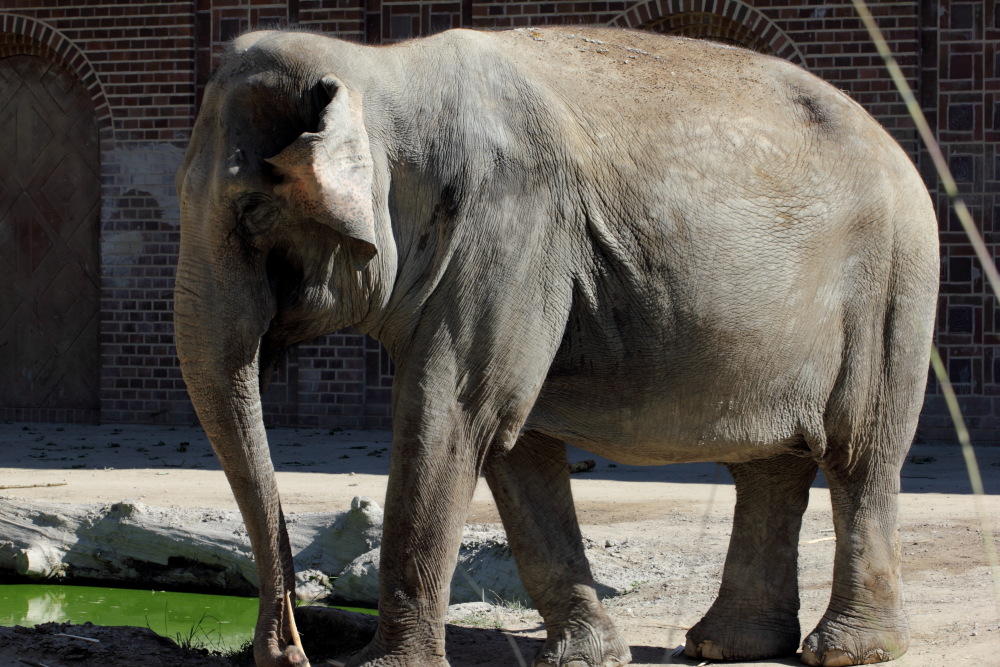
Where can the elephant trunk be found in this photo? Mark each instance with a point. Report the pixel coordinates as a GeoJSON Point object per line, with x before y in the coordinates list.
{"type": "Point", "coordinates": [219, 318]}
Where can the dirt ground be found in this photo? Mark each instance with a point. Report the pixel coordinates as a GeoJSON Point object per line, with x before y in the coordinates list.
{"type": "Point", "coordinates": [669, 524]}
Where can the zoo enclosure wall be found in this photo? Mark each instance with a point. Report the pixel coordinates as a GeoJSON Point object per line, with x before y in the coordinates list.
{"type": "Point", "coordinates": [143, 66]}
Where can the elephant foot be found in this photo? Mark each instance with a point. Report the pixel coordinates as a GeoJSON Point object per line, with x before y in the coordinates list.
{"type": "Point", "coordinates": [736, 638]}
{"type": "Point", "coordinates": [591, 643]}
{"type": "Point", "coordinates": [371, 656]}
{"type": "Point", "coordinates": [291, 656]}
{"type": "Point", "coordinates": [268, 651]}
{"type": "Point", "coordinates": [294, 657]}
{"type": "Point", "coordinates": [841, 640]}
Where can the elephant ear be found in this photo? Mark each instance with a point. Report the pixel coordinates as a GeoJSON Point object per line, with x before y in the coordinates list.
{"type": "Point", "coordinates": [327, 174]}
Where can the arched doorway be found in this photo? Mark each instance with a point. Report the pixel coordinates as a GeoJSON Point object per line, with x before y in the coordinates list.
{"type": "Point", "coordinates": [702, 25]}
{"type": "Point", "coordinates": [49, 222]}
{"type": "Point", "coordinates": [733, 22]}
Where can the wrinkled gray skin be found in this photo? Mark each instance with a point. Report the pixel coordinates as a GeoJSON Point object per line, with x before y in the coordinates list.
{"type": "Point", "coordinates": [657, 249]}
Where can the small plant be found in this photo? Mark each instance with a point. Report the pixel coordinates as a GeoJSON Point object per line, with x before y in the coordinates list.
{"type": "Point", "coordinates": [513, 605]}
{"type": "Point", "coordinates": [198, 636]}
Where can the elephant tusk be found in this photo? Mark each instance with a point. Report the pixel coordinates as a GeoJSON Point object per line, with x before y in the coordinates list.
{"type": "Point", "coordinates": [296, 640]}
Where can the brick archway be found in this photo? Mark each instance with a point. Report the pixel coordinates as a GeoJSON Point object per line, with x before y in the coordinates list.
{"type": "Point", "coordinates": [53, 134]}
{"type": "Point", "coordinates": [732, 21]}
{"type": "Point", "coordinates": [23, 35]}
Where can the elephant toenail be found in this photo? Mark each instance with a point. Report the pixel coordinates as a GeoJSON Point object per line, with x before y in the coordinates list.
{"type": "Point", "coordinates": [808, 657]}
{"type": "Point", "coordinates": [710, 651]}
{"type": "Point", "coordinates": [837, 658]}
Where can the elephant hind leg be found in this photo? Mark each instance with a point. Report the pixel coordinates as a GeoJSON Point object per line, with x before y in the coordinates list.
{"type": "Point", "coordinates": [869, 423]}
{"type": "Point", "coordinates": [756, 612]}
{"type": "Point", "coordinates": [864, 622]}
{"type": "Point", "coordinates": [532, 490]}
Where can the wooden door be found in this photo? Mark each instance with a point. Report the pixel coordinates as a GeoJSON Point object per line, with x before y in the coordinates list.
{"type": "Point", "coordinates": [49, 221]}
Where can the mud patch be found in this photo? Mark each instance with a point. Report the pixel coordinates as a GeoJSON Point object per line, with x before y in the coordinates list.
{"type": "Point", "coordinates": [64, 644]}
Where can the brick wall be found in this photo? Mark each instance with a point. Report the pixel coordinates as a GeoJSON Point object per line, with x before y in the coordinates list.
{"type": "Point", "coordinates": [135, 59]}
{"type": "Point", "coordinates": [145, 65]}
{"type": "Point", "coordinates": [961, 96]}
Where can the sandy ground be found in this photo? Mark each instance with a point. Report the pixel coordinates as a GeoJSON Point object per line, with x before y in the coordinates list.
{"type": "Point", "coordinates": [671, 524]}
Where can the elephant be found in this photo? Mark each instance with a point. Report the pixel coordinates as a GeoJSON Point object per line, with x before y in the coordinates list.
{"type": "Point", "coordinates": [656, 249]}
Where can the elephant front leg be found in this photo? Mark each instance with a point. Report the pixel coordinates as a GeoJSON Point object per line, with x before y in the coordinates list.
{"type": "Point", "coordinates": [756, 613]}
{"type": "Point", "coordinates": [865, 622]}
{"type": "Point", "coordinates": [431, 482]}
{"type": "Point", "coordinates": [276, 640]}
{"type": "Point", "coordinates": [531, 486]}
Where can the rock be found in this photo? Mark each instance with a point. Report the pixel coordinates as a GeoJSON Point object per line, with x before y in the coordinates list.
{"type": "Point", "coordinates": [357, 584]}
{"type": "Point", "coordinates": [40, 561]}
{"type": "Point", "coordinates": [351, 534]}
{"type": "Point", "coordinates": [128, 543]}
{"type": "Point", "coordinates": [336, 554]}
{"type": "Point", "coordinates": [486, 570]}
{"type": "Point", "coordinates": [312, 585]}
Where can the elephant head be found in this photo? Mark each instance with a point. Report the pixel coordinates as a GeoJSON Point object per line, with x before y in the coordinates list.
{"type": "Point", "coordinates": [278, 245]}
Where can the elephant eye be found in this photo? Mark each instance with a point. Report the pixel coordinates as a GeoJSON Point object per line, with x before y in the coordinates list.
{"type": "Point", "coordinates": [254, 215]}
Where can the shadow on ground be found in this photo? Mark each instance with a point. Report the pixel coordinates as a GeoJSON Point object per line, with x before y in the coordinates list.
{"type": "Point", "coordinates": [334, 634]}
{"type": "Point", "coordinates": [938, 468]}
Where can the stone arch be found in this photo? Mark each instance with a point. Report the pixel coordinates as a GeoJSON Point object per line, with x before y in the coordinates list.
{"type": "Point", "coordinates": [730, 21]}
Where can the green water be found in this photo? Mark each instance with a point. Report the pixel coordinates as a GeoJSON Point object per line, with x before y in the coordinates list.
{"type": "Point", "coordinates": [214, 621]}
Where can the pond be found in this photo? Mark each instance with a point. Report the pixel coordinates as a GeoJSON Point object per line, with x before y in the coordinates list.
{"type": "Point", "coordinates": [216, 622]}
